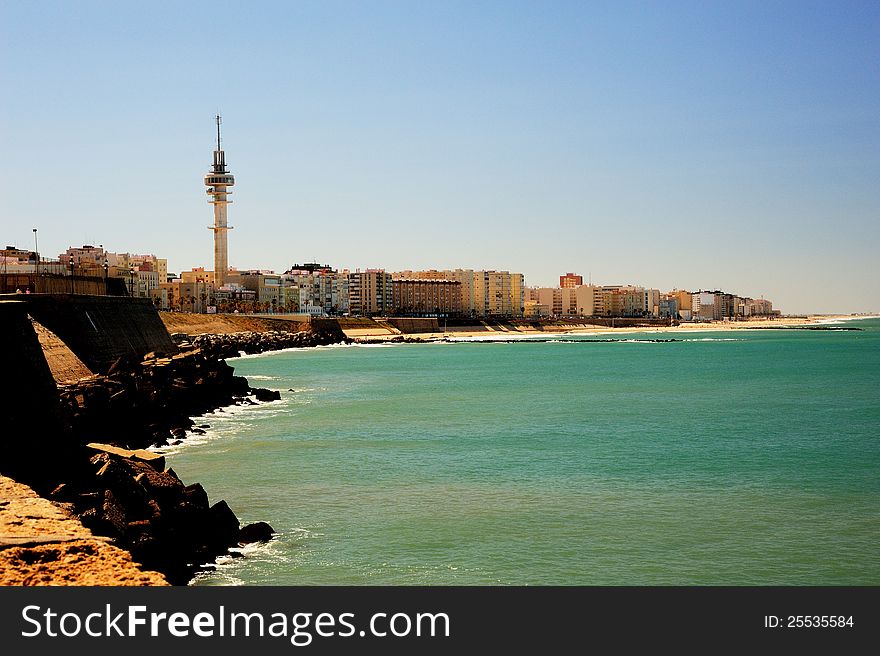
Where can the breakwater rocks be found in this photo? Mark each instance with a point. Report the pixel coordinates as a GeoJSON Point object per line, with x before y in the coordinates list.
{"type": "Point", "coordinates": [231, 345]}
{"type": "Point", "coordinates": [121, 491]}
{"type": "Point", "coordinates": [139, 404]}
{"type": "Point", "coordinates": [146, 509]}
{"type": "Point", "coordinates": [397, 339]}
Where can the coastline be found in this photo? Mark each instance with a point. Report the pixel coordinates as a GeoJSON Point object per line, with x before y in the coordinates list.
{"type": "Point", "coordinates": [332, 424]}
{"type": "Point", "coordinates": [104, 491]}
{"type": "Point", "coordinates": [525, 331]}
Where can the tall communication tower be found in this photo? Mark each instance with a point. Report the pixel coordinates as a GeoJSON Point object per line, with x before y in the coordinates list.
{"type": "Point", "coordinates": [218, 180]}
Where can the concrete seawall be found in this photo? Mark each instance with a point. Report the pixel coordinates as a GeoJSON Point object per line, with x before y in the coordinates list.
{"type": "Point", "coordinates": [28, 396]}
{"type": "Point", "coordinates": [100, 329]}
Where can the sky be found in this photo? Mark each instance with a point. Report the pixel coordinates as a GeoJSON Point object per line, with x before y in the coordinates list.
{"type": "Point", "coordinates": [713, 145]}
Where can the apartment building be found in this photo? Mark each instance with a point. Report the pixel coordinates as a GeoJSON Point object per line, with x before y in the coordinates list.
{"type": "Point", "coordinates": [426, 297]}
{"type": "Point", "coordinates": [370, 292]}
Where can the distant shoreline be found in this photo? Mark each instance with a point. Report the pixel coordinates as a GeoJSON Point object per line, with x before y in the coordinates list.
{"type": "Point", "coordinates": [367, 335]}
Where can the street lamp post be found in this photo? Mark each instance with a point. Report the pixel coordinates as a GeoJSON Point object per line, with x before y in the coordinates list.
{"type": "Point", "coordinates": [36, 252]}
{"type": "Point", "coordinates": [131, 281]}
{"type": "Point", "coordinates": [72, 288]}
{"type": "Point", "coordinates": [106, 267]}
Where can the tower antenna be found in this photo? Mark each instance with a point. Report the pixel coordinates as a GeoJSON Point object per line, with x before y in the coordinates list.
{"type": "Point", "coordinates": [219, 121]}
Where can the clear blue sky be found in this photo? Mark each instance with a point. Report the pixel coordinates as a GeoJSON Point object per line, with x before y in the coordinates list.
{"type": "Point", "coordinates": [690, 144]}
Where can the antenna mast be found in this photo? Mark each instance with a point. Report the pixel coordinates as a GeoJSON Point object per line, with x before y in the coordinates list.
{"type": "Point", "coordinates": [219, 121]}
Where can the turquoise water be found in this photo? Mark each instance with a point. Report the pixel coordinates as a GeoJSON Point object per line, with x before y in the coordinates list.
{"type": "Point", "coordinates": [741, 457]}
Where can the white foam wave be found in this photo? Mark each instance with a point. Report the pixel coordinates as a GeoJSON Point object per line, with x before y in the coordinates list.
{"type": "Point", "coordinates": [228, 567]}
{"type": "Point", "coordinates": [218, 420]}
{"type": "Point", "coordinates": [714, 339]}
{"type": "Point", "coordinates": [494, 337]}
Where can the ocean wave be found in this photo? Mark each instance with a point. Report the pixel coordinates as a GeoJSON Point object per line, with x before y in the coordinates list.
{"type": "Point", "coordinates": [494, 337]}
{"type": "Point", "coordinates": [191, 440]}
{"type": "Point", "coordinates": [227, 568]}
{"type": "Point", "coordinates": [219, 418]}
{"type": "Point", "coordinates": [250, 356]}
{"type": "Point", "coordinates": [714, 339]}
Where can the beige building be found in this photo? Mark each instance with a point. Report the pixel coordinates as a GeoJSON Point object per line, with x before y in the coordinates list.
{"type": "Point", "coordinates": [189, 296]}
{"type": "Point", "coordinates": [321, 289]}
{"type": "Point", "coordinates": [588, 301]}
{"type": "Point", "coordinates": [145, 282]}
{"type": "Point", "coordinates": [198, 274]}
{"type": "Point", "coordinates": [562, 302]}
{"type": "Point", "coordinates": [483, 293]}
{"type": "Point", "coordinates": [426, 297]}
{"type": "Point", "coordinates": [370, 293]}
{"type": "Point", "coordinates": [532, 309]}
{"type": "Point", "coordinates": [751, 307]}
{"type": "Point", "coordinates": [271, 296]}
{"type": "Point", "coordinates": [465, 277]}
{"type": "Point", "coordinates": [706, 306]}
{"type": "Point", "coordinates": [683, 297]}
{"type": "Point", "coordinates": [498, 293]}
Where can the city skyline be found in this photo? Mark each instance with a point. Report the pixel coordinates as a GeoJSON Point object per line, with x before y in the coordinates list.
{"type": "Point", "coordinates": [686, 147]}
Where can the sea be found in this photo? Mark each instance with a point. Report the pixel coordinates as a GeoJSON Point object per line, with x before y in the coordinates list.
{"type": "Point", "coordinates": [742, 457]}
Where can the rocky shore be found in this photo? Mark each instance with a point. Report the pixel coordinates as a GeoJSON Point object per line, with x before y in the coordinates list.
{"type": "Point", "coordinates": [231, 345]}
{"type": "Point", "coordinates": [89, 453]}
{"type": "Point", "coordinates": [147, 403]}
{"type": "Point", "coordinates": [119, 490]}
{"type": "Point", "coordinates": [167, 526]}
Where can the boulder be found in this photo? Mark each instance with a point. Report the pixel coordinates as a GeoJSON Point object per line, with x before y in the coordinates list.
{"type": "Point", "coordinates": [196, 495]}
{"type": "Point", "coordinates": [155, 460]}
{"type": "Point", "coordinates": [256, 532]}
{"type": "Point", "coordinates": [135, 529]}
{"type": "Point", "coordinates": [160, 486]}
{"type": "Point", "coordinates": [113, 514]}
{"type": "Point", "coordinates": [266, 395]}
{"type": "Point", "coordinates": [224, 524]}
{"type": "Point", "coordinates": [119, 478]}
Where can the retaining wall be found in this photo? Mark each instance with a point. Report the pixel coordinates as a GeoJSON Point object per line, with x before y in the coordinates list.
{"type": "Point", "coordinates": [100, 329]}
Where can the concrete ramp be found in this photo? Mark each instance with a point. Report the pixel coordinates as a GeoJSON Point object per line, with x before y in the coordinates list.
{"type": "Point", "coordinates": [66, 367]}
